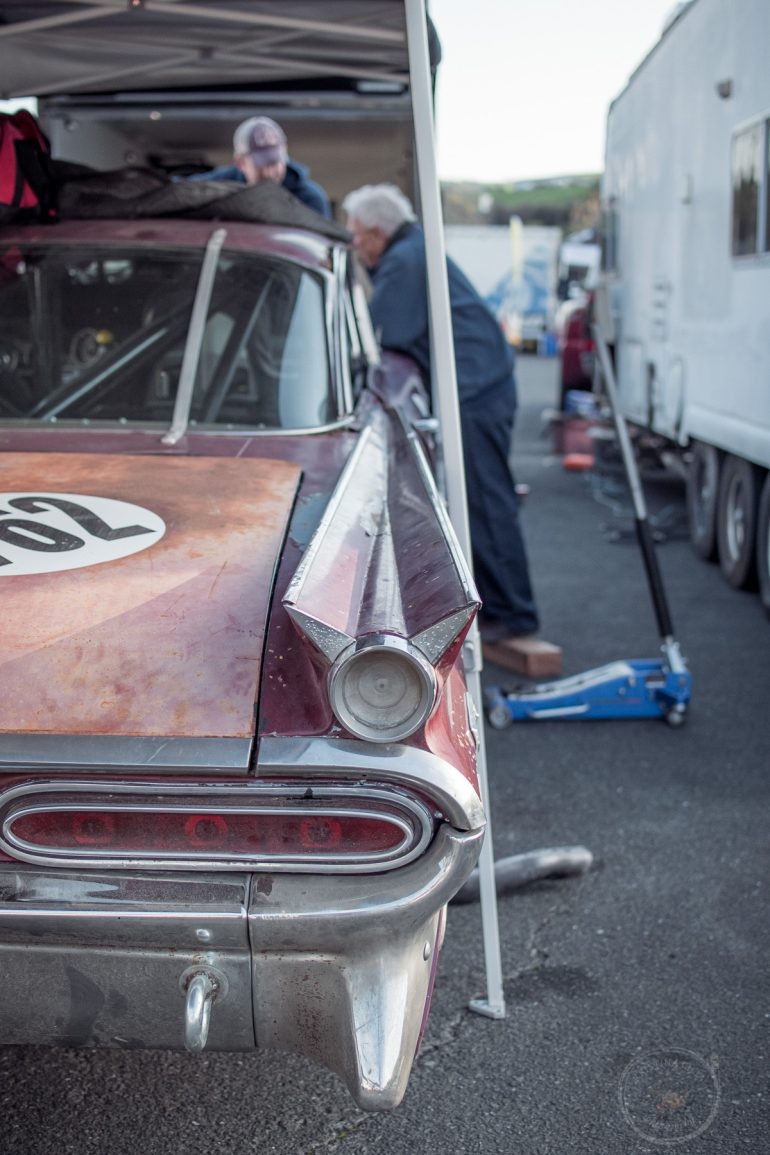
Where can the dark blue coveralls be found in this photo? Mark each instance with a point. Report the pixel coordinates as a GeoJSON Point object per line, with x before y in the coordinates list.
{"type": "Point", "coordinates": [296, 181]}
{"type": "Point", "coordinates": [487, 398]}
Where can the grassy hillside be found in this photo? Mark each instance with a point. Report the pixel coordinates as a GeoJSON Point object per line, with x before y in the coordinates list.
{"type": "Point", "coordinates": [571, 202]}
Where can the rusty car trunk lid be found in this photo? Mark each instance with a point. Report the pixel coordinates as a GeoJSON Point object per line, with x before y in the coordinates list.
{"type": "Point", "coordinates": [136, 591]}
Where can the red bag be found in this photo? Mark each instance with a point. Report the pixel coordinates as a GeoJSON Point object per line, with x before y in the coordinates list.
{"type": "Point", "coordinates": [25, 183]}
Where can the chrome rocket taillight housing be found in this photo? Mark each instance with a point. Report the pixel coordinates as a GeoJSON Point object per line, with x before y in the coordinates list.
{"type": "Point", "coordinates": [382, 689]}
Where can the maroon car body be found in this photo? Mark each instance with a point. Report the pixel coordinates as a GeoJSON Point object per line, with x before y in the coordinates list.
{"type": "Point", "coordinates": [576, 348]}
{"type": "Point", "coordinates": [237, 758]}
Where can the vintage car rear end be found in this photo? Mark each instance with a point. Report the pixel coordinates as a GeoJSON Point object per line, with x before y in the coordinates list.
{"type": "Point", "coordinates": [237, 758]}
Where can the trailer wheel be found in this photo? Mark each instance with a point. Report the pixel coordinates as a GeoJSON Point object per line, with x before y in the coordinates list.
{"type": "Point", "coordinates": [763, 545]}
{"type": "Point", "coordinates": [702, 494]}
{"type": "Point", "coordinates": [737, 520]}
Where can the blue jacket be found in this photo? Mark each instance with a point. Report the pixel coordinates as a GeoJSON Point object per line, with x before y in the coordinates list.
{"type": "Point", "coordinates": [297, 181]}
{"type": "Point", "coordinates": [399, 308]}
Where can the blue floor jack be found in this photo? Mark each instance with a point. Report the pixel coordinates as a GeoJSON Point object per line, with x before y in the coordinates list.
{"type": "Point", "coordinates": [633, 688]}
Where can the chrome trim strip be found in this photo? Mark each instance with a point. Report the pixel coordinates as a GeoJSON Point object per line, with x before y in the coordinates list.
{"type": "Point", "coordinates": [246, 431]}
{"type": "Point", "coordinates": [365, 327]}
{"type": "Point", "coordinates": [416, 834]}
{"type": "Point", "coordinates": [91, 908]}
{"type": "Point", "coordinates": [344, 389]}
{"type": "Point", "coordinates": [54, 753]}
{"type": "Point", "coordinates": [344, 422]}
{"type": "Point", "coordinates": [294, 588]}
{"type": "Point", "coordinates": [140, 908]}
{"type": "Point", "coordinates": [461, 565]}
{"type": "Point", "coordinates": [194, 342]}
{"type": "Point", "coordinates": [401, 765]}
{"type": "Point", "coordinates": [208, 916]}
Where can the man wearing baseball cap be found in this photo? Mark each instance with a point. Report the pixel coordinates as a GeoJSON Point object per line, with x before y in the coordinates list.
{"type": "Point", "coordinates": [260, 153]}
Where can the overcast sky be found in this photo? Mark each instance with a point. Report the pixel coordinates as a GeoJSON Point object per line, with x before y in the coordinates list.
{"type": "Point", "coordinates": [524, 85]}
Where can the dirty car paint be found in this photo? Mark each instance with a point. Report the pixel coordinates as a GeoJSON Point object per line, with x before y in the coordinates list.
{"type": "Point", "coordinates": [166, 641]}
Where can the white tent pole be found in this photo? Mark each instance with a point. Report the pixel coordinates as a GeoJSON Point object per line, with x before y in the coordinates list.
{"type": "Point", "coordinates": [445, 401]}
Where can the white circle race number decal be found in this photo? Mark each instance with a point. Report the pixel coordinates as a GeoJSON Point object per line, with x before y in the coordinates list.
{"type": "Point", "coordinates": [48, 532]}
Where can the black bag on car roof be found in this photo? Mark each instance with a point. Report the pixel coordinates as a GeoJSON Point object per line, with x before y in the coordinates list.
{"type": "Point", "coordinates": [134, 193]}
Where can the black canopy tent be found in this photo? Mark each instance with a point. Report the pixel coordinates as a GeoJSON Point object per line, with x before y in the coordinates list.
{"type": "Point", "coordinates": [139, 69]}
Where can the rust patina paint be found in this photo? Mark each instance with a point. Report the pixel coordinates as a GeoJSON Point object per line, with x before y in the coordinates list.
{"type": "Point", "coordinates": [167, 641]}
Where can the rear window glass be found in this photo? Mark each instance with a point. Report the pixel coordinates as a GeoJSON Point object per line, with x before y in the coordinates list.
{"type": "Point", "coordinates": [100, 335]}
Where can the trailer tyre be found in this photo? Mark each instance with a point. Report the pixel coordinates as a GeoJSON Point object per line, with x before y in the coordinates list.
{"type": "Point", "coordinates": [737, 521]}
{"type": "Point", "coordinates": [763, 545]}
{"type": "Point", "coordinates": [702, 497]}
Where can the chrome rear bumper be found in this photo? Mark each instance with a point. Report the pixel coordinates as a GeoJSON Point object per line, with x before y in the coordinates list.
{"type": "Point", "coordinates": [335, 967]}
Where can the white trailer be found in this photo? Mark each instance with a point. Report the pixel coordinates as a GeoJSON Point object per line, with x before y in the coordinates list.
{"type": "Point", "coordinates": [687, 254]}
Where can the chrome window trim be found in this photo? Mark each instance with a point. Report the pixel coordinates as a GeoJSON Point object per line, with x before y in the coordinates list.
{"type": "Point", "coordinates": [149, 427]}
{"type": "Point", "coordinates": [364, 319]}
{"type": "Point", "coordinates": [187, 799]}
{"type": "Point", "coordinates": [180, 418]}
{"type": "Point", "coordinates": [339, 333]}
{"type": "Point", "coordinates": [351, 324]}
{"type": "Point", "coordinates": [331, 313]}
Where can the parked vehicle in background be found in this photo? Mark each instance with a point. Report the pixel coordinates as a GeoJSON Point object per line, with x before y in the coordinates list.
{"type": "Point", "coordinates": [514, 267]}
{"type": "Point", "coordinates": [579, 262]}
{"type": "Point", "coordinates": [688, 257]}
{"type": "Point", "coordinates": [535, 266]}
{"type": "Point", "coordinates": [576, 346]}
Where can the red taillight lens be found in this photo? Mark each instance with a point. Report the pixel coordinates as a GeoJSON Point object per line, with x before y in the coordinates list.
{"type": "Point", "coordinates": [206, 830]}
{"type": "Point", "coordinates": [92, 829]}
{"type": "Point", "coordinates": [375, 830]}
{"type": "Point", "coordinates": [320, 833]}
{"type": "Point", "coordinates": [176, 833]}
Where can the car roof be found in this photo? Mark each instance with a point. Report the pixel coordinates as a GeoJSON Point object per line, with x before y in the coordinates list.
{"type": "Point", "coordinates": [297, 245]}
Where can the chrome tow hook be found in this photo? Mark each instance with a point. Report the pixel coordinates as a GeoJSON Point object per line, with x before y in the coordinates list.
{"type": "Point", "coordinates": [200, 985]}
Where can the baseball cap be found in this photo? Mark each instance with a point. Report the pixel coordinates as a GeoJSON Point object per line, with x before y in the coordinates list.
{"type": "Point", "coordinates": [262, 139]}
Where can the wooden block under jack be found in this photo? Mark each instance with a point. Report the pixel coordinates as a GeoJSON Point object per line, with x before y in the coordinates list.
{"type": "Point", "coordinates": [529, 656]}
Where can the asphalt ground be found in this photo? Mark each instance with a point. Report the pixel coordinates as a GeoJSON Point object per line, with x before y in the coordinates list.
{"type": "Point", "coordinates": [637, 994]}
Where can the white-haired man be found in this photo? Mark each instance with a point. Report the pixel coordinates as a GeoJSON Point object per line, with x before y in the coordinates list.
{"type": "Point", "coordinates": [391, 245]}
{"type": "Point", "coordinates": [260, 152]}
